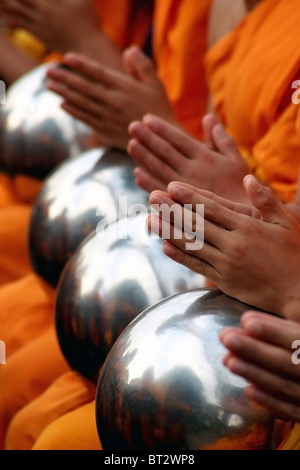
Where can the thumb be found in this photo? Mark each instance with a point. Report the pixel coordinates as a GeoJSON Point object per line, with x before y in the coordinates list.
{"type": "Point", "coordinates": [225, 144]}
{"type": "Point", "coordinates": [209, 122]}
{"type": "Point", "coordinates": [138, 65]}
{"type": "Point", "coordinates": [263, 198]}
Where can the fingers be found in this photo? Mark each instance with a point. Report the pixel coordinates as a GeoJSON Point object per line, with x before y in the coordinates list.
{"type": "Point", "coordinates": [277, 393]}
{"type": "Point", "coordinates": [186, 229]}
{"type": "Point", "coordinates": [273, 382]}
{"type": "Point", "coordinates": [268, 366]}
{"type": "Point", "coordinates": [191, 262]}
{"type": "Point", "coordinates": [225, 143]}
{"type": "Point", "coordinates": [94, 71]}
{"type": "Point", "coordinates": [271, 329]}
{"type": "Point", "coordinates": [272, 358]}
{"type": "Point", "coordinates": [82, 95]}
{"type": "Point", "coordinates": [147, 181]}
{"type": "Point", "coordinates": [177, 138]}
{"type": "Point", "coordinates": [270, 207]}
{"type": "Point", "coordinates": [209, 122]}
{"type": "Point", "coordinates": [232, 205]}
{"type": "Point", "coordinates": [138, 65]}
{"type": "Point", "coordinates": [282, 409]}
{"type": "Point", "coordinates": [81, 115]}
{"type": "Point", "coordinates": [154, 166]}
{"type": "Point", "coordinates": [62, 80]}
{"type": "Point", "coordinates": [261, 353]}
{"type": "Point", "coordinates": [214, 212]}
{"type": "Point", "coordinates": [159, 148]}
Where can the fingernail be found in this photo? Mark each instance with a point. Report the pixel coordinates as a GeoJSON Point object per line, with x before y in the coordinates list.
{"type": "Point", "coordinates": [253, 327]}
{"type": "Point", "coordinates": [169, 249]}
{"type": "Point", "coordinates": [71, 59]}
{"type": "Point", "coordinates": [236, 365]}
{"type": "Point", "coordinates": [231, 342]}
{"type": "Point", "coordinates": [54, 86]}
{"type": "Point", "coordinates": [154, 225]}
{"type": "Point", "coordinates": [156, 199]}
{"type": "Point", "coordinates": [220, 130]}
{"type": "Point", "coordinates": [176, 191]}
{"type": "Point", "coordinates": [254, 184]}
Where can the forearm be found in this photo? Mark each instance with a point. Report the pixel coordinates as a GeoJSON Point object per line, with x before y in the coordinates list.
{"type": "Point", "coordinates": [13, 62]}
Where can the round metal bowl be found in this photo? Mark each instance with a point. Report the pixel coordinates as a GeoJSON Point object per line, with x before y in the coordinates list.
{"type": "Point", "coordinates": [115, 275]}
{"type": "Point", "coordinates": [163, 385]}
{"type": "Point", "coordinates": [35, 133]}
{"type": "Point", "coordinates": [79, 195]}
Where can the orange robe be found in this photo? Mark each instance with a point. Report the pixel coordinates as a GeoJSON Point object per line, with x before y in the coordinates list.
{"type": "Point", "coordinates": [70, 393]}
{"type": "Point", "coordinates": [293, 440]}
{"type": "Point", "coordinates": [57, 436]}
{"type": "Point", "coordinates": [22, 293]}
{"type": "Point", "coordinates": [124, 23]}
{"type": "Point", "coordinates": [250, 73]}
{"type": "Point", "coordinates": [179, 45]}
{"type": "Point", "coordinates": [23, 380]}
{"type": "Point", "coordinates": [265, 127]}
{"type": "Point", "coordinates": [177, 26]}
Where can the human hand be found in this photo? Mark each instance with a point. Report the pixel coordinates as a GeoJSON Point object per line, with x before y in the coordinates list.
{"type": "Point", "coordinates": [266, 352]}
{"type": "Point", "coordinates": [61, 25]}
{"type": "Point", "coordinates": [108, 100]}
{"type": "Point", "coordinates": [254, 259]}
{"type": "Point", "coordinates": [166, 153]}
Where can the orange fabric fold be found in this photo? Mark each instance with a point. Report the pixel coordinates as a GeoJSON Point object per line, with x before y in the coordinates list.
{"type": "Point", "coordinates": [251, 72]}
{"type": "Point", "coordinates": [68, 393]}
{"type": "Point", "coordinates": [179, 27]}
{"type": "Point", "coordinates": [179, 45]}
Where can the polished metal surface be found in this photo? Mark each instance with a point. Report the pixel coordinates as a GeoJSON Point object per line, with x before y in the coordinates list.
{"type": "Point", "coordinates": [115, 275]}
{"type": "Point", "coordinates": [163, 384]}
{"type": "Point", "coordinates": [36, 134]}
{"type": "Point", "coordinates": [80, 194]}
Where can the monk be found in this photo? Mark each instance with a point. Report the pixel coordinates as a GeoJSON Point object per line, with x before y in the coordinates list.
{"type": "Point", "coordinates": [279, 333]}
{"type": "Point", "coordinates": [262, 270]}
{"type": "Point", "coordinates": [286, 191]}
{"type": "Point", "coordinates": [265, 134]}
{"type": "Point", "coordinates": [20, 53]}
{"type": "Point", "coordinates": [56, 29]}
{"type": "Point", "coordinates": [15, 218]}
{"type": "Point", "coordinates": [15, 213]}
{"type": "Point", "coordinates": [51, 437]}
{"type": "Point", "coordinates": [24, 418]}
{"type": "Point", "coordinates": [181, 13]}
{"type": "Point", "coordinates": [265, 351]}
